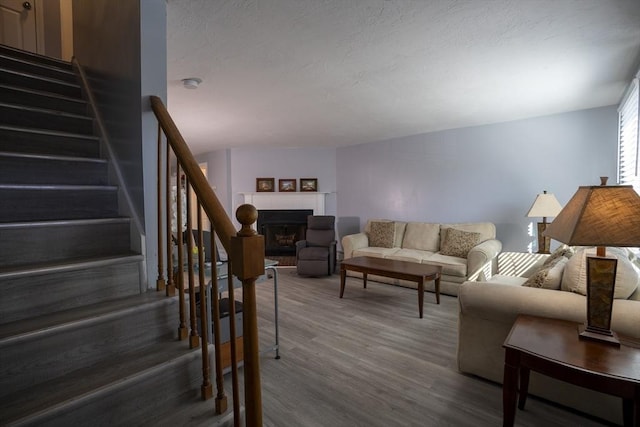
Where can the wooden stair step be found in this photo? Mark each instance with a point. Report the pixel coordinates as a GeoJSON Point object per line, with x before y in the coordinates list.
{"type": "Point", "coordinates": [130, 389]}
{"type": "Point", "coordinates": [48, 347]}
{"type": "Point", "coordinates": [54, 396]}
{"type": "Point", "coordinates": [24, 244]}
{"type": "Point", "coordinates": [19, 139]}
{"type": "Point", "coordinates": [43, 289]}
{"type": "Point", "coordinates": [57, 202]}
{"type": "Point", "coordinates": [28, 97]}
{"type": "Point", "coordinates": [34, 57]}
{"type": "Point", "coordinates": [19, 168]}
{"type": "Point", "coordinates": [41, 83]}
{"type": "Point", "coordinates": [62, 72]}
{"type": "Point", "coordinates": [41, 118]}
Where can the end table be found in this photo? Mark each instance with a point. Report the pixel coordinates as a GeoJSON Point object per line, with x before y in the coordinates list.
{"type": "Point", "coordinates": [552, 347]}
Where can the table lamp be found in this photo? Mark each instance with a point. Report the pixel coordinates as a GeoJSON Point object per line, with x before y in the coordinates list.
{"type": "Point", "coordinates": [545, 205]}
{"type": "Point", "coordinates": [599, 216]}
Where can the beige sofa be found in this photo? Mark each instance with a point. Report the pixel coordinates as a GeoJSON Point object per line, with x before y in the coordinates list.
{"type": "Point", "coordinates": [489, 308]}
{"type": "Point", "coordinates": [421, 242]}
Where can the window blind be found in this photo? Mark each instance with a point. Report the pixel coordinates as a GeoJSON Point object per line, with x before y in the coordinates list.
{"type": "Point", "coordinates": [628, 142]}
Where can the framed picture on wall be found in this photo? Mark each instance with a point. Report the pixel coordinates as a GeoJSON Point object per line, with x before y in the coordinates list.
{"type": "Point", "coordinates": [265, 184]}
{"type": "Point", "coordinates": [286, 185]}
{"type": "Point", "coordinates": [308, 184]}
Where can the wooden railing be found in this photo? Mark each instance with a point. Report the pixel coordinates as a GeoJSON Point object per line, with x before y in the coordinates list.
{"type": "Point", "coordinates": [245, 251]}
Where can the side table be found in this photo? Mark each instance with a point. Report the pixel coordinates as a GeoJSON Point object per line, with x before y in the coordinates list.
{"type": "Point", "coordinates": [552, 347]}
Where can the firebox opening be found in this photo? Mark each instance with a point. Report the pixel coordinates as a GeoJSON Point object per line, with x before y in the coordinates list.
{"type": "Point", "coordinates": [282, 228]}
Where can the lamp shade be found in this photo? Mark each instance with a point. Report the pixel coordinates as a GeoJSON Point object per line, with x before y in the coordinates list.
{"type": "Point", "coordinates": [599, 216]}
{"type": "Point", "coordinates": [545, 205]}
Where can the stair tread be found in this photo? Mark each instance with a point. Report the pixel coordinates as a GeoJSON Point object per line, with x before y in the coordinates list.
{"type": "Point", "coordinates": [48, 132]}
{"type": "Point", "coordinates": [40, 78]}
{"type": "Point", "coordinates": [66, 222]}
{"type": "Point", "coordinates": [44, 93]}
{"type": "Point", "coordinates": [96, 379]}
{"type": "Point", "coordinates": [54, 322]}
{"type": "Point", "coordinates": [35, 57]}
{"type": "Point", "coordinates": [52, 157]}
{"type": "Point", "coordinates": [57, 113]}
{"type": "Point", "coordinates": [63, 67]}
{"type": "Point", "coordinates": [67, 265]}
{"type": "Point", "coordinates": [59, 187]}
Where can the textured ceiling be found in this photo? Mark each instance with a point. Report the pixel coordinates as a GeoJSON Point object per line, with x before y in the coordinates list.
{"type": "Point", "coordinates": [293, 73]}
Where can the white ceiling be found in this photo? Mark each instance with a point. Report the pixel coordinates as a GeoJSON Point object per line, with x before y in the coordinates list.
{"type": "Point", "coordinates": [293, 73]}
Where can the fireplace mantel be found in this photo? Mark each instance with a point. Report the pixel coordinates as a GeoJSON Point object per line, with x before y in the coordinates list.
{"type": "Point", "coordinates": [285, 200]}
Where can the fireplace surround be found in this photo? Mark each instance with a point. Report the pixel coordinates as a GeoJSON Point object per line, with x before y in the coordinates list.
{"type": "Point", "coordinates": [287, 200]}
{"type": "Point", "coordinates": [311, 203]}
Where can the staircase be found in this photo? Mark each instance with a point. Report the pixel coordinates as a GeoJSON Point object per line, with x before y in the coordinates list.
{"type": "Point", "coordinates": [81, 341]}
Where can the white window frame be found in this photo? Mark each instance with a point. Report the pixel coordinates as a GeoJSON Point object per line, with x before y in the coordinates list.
{"type": "Point", "coordinates": [629, 137]}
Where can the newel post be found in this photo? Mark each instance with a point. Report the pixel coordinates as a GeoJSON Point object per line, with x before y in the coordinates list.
{"type": "Point", "coordinates": [247, 255]}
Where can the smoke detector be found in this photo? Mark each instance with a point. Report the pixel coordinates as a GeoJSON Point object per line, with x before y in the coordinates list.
{"type": "Point", "coordinates": [191, 82]}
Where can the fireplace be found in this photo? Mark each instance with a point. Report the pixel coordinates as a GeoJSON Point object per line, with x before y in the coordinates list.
{"type": "Point", "coordinates": [282, 228]}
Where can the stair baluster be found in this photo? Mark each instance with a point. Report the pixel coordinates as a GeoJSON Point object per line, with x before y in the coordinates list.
{"type": "Point", "coordinates": [194, 340]}
{"type": "Point", "coordinates": [221, 397]}
{"type": "Point", "coordinates": [182, 327]}
{"type": "Point", "coordinates": [160, 282]}
{"type": "Point", "coordinates": [206, 390]}
{"type": "Point", "coordinates": [171, 285]}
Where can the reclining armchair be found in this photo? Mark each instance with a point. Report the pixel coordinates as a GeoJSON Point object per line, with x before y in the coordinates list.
{"type": "Point", "coordinates": [316, 256]}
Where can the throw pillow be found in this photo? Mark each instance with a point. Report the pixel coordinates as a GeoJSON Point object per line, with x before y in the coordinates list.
{"type": "Point", "coordinates": [549, 276]}
{"type": "Point", "coordinates": [423, 236]}
{"type": "Point", "coordinates": [574, 278]}
{"type": "Point", "coordinates": [399, 230]}
{"type": "Point", "coordinates": [458, 243]}
{"type": "Point", "coordinates": [382, 234]}
{"type": "Point", "coordinates": [562, 251]}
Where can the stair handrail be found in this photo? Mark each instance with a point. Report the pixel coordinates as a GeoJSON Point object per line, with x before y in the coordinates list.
{"type": "Point", "coordinates": [210, 203]}
{"type": "Point", "coordinates": [246, 261]}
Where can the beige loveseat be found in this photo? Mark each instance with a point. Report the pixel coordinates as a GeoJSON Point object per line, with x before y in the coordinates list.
{"type": "Point", "coordinates": [488, 310]}
{"type": "Point", "coordinates": [469, 251]}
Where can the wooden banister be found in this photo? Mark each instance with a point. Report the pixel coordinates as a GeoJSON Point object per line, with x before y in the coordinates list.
{"type": "Point", "coordinates": [210, 203]}
{"type": "Point", "coordinates": [246, 261]}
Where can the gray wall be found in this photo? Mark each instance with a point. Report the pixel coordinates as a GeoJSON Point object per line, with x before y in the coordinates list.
{"type": "Point", "coordinates": [218, 175]}
{"type": "Point", "coordinates": [247, 164]}
{"type": "Point", "coordinates": [122, 46]}
{"type": "Point", "coordinates": [106, 43]}
{"type": "Point", "coordinates": [484, 173]}
{"type": "Point", "coordinates": [153, 72]}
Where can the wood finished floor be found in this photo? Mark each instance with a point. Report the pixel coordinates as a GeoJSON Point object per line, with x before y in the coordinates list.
{"type": "Point", "coordinates": [368, 360]}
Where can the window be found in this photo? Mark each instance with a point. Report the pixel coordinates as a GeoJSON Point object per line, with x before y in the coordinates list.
{"type": "Point", "coordinates": [628, 142]}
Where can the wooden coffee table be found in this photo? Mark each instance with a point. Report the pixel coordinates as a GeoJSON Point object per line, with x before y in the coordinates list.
{"type": "Point", "coordinates": [552, 347]}
{"type": "Point", "coordinates": [396, 269]}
